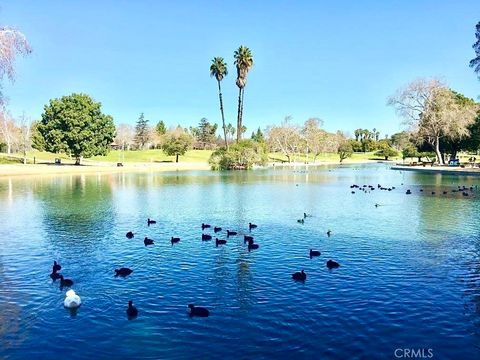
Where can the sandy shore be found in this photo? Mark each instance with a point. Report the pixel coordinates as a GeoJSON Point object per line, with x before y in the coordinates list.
{"type": "Point", "coordinates": [52, 169]}
{"type": "Point", "coordinates": [104, 168]}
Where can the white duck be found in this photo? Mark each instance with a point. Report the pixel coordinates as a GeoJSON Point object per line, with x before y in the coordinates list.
{"type": "Point", "coordinates": [72, 300]}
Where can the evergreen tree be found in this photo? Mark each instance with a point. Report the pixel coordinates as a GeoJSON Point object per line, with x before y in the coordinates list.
{"type": "Point", "coordinates": [142, 133]}
{"type": "Point", "coordinates": [161, 128]}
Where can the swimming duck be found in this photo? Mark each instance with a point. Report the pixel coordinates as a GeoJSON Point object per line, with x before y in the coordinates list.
{"type": "Point", "coordinates": [247, 238]}
{"type": "Point", "coordinates": [231, 233]}
{"type": "Point", "coordinates": [150, 222]}
{"type": "Point", "coordinates": [299, 275]}
{"type": "Point", "coordinates": [198, 311]}
{"type": "Point", "coordinates": [129, 235]}
{"type": "Point", "coordinates": [329, 232]}
{"type": "Point", "coordinates": [131, 310]}
{"type": "Point", "coordinates": [205, 226]}
{"type": "Point", "coordinates": [147, 241]}
{"type": "Point", "coordinates": [56, 267]}
{"type": "Point", "coordinates": [314, 253]}
{"type": "Point", "coordinates": [252, 245]}
{"type": "Point", "coordinates": [55, 275]}
{"type": "Point", "coordinates": [301, 221]}
{"type": "Point", "coordinates": [332, 264]}
{"type": "Point", "coordinates": [72, 300]}
{"type": "Point", "coordinates": [65, 282]}
{"type": "Point", "coordinates": [123, 272]}
{"type": "Point", "coordinates": [251, 226]}
{"type": "Point", "coordinates": [220, 242]}
{"type": "Point", "coordinates": [217, 229]}
{"type": "Point", "coordinates": [206, 237]}
{"type": "Point", "coordinates": [408, 192]}
{"type": "Point", "coordinates": [175, 240]}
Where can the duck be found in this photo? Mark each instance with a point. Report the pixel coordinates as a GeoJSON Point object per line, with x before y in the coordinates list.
{"type": "Point", "coordinates": [408, 192]}
{"type": "Point", "coordinates": [150, 222]}
{"type": "Point", "coordinates": [205, 226]}
{"type": "Point", "coordinates": [198, 311]}
{"type": "Point", "coordinates": [55, 275]}
{"type": "Point", "coordinates": [252, 245]}
{"type": "Point", "coordinates": [147, 241]}
{"type": "Point", "coordinates": [123, 272]}
{"type": "Point", "coordinates": [332, 264]}
{"type": "Point", "coordinates": [72, 300]}
{"type": "Point", "coordinates": [131, 310]}
{"type": "Point", "coordinates": [65, 282]}
{"type": "Point", "coordinates": [56, 267]}
{"type": "Point", "coordinates": [220, 242]}
{"type": "Point", "coordinates": [129, 235]}
{"type": "Point", "coordinates": [231, 233]}
{"type": "Point", "coordinates": [251, 226]}
{"type": "Point", "coordinates": [329, 232]}
{"type": "Point", "coordinates": [299, 275]}
{"type": "Point", "coordinates": [314, 253]}
{"type": "Point", "coordinates": [174, 240]}
{"type": "Point", "coordinates": [301, 221]}
{"type": "Point", "coordinates": [247, 238]}
{"type": "Point", "coordinates": [206, 237]}
{"type": "Point", "coordinates": [217, 229]}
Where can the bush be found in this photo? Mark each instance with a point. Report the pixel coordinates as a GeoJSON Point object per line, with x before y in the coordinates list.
{"type": "Point", "coordinates": [241, 156]}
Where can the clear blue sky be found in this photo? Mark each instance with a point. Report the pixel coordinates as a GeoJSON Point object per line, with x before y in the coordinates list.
{"type": "Point", "coordinates": [336, 60]}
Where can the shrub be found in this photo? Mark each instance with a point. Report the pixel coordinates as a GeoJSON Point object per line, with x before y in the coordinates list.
{"type": "Point", "coordinates": [241, 156]}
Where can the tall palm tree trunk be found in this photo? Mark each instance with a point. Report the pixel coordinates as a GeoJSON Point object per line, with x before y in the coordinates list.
{"type": "Point", "coordinates": [239, 114]}
{"type": "Point", "coordinates": [223, 115]}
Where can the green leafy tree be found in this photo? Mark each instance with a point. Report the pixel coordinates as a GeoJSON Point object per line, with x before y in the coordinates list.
{"type": "Point", "coordinates": [219, 70]}
{"type": "Point", "coordinates": [160, 128]}
{"type": "Point", "coordinates": [356, 145]}
{"type": "Point", "coordinates": [243, 62]}
{"type": "Point", "coordinates": [385, 149]}
{"type": "Point", "coordinates": [176, 143]}
{"type": "Point", "coordinates": [142, 132]}
{"type": "Point", "coordinates": [240, 156]}
{"type": "Point", "coordinates": [475, 62]}
{"type": "Point", "coordinates": [75, 125]}
{"type": "Point", "coordinates": [38, 142]}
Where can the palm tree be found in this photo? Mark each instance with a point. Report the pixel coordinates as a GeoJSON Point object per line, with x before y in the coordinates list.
{"type": "Point", "coordinates": [243, 62]}
{"type": "Point", "coordinates": [231, 129]}
{"type": "Point", "coordinates": [219, 70]}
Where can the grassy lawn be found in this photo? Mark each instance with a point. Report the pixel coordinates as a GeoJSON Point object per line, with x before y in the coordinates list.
{"type": "Point", "coordinates": [146, 156]}
{"type": "Point", "coordinates": [332, 157]}
{"type": "Point", "coordinates": [129, 156]}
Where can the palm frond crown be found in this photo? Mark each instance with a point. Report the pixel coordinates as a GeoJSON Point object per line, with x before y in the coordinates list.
{"type": "Point", "coordinates": [218, 68]}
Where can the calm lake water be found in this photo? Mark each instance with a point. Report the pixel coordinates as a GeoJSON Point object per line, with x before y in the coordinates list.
{"type": "Point", "coordinates": [409, 275]}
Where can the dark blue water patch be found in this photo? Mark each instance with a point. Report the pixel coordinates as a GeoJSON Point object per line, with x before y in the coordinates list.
{"type": "Point", "coordinates": [408, 276]}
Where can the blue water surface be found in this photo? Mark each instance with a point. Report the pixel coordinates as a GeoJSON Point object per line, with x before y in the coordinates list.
{"type": "Point", "coordinates": [409, 275]}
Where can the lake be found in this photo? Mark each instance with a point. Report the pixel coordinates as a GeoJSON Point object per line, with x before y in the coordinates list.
{"type": "Point", "coordinates": [409, 279]}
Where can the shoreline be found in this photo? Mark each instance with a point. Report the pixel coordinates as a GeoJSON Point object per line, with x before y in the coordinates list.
{"type": "Point", "coordinates": [49, 169]}
{"type": "Point", "coordinates": [447, 170]}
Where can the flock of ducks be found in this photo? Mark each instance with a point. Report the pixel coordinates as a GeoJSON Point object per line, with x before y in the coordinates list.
{"type": "Point", "coordinates": [73, 301]}
{"type": "Point", "coordinates": [464, 190]}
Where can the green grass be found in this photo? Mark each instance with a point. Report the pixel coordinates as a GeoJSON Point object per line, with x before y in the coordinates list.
{"type": "Point", "coordinates": [147, 156]}
{"type": "Point", "coordinates": [329, 157]}
{"type": "Point", "coordinates": [6, 159]}
{"type": "Point", "coordinates": [129, 156]}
